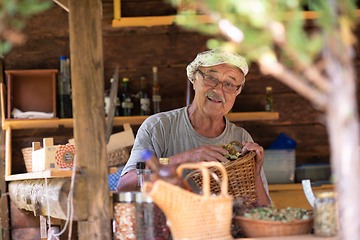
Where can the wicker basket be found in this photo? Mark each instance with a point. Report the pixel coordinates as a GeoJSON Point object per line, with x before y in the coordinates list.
{"type": "Point", "coordinates": [118, 157]}
{"type": "Point", "coordinates": [27, 154]}
{"type": "Point", "coordinates": [262, 228]}
{"type": "Point", "coordinates": [192, 216]}
{"type": "Point", "coordinates": [241, 177]}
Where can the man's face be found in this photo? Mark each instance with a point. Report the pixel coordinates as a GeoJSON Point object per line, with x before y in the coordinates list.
{"type": "Point", "coordinates": [213, 101]}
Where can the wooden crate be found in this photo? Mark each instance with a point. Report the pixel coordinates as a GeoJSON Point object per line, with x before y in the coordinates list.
{"type": "Point", "coordinates": [31, 90]}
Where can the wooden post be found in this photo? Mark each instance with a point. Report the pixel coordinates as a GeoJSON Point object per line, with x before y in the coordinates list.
{"type": "Point", "coordinates": [87, 67]}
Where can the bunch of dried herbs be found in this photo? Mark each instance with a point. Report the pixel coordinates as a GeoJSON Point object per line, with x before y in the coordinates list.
{"type": "Point", "coordinates": [233, 153]}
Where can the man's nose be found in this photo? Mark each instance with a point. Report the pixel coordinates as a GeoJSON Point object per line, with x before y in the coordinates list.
{"type": "Point", "coordinates": [219, 89]}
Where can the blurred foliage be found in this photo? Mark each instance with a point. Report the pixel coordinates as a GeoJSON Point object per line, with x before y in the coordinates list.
{"type": "Point", "coordinates": [267, 25]}
{"type": "Point", "coordinates": [13, 14]}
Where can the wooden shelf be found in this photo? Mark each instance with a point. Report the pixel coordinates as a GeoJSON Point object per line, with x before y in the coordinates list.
{"type": "Point", "coordinates": [15, 124]}
{"type": "Point", "coordinates": [46, 174]}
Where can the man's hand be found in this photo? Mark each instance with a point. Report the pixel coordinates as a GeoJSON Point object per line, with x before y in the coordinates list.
{"type": "Point", "coordinates": [259, 150]}
{"type": "Point", "coordinates": [203, 153]}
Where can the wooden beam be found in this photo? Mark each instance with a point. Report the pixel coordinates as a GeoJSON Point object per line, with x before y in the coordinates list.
{"type": "Point", "coordinates": [87, 75]}
{"type": "Point", "coordinates": [62, 3]}
{"type": "Point", "coordinates": [33, 195]}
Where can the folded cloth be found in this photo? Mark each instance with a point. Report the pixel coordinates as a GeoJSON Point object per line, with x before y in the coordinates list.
{"type": "Point", "coordinates": [30, 114]}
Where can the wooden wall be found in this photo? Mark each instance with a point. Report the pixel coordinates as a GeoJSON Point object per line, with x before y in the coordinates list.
{"type": "Point", "coordinates": [136, 49]}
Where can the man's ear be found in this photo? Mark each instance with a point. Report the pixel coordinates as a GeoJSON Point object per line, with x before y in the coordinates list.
{"type": "Point", "coordinates": [240, 89]}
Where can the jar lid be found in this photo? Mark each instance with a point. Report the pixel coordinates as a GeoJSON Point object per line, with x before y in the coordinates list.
{"type": "Point", "coordinates": [124, 197]}
{"type": "Point", "coordinates": [142, 198]}
{"type": "Point", "coordinates": [326, 194]}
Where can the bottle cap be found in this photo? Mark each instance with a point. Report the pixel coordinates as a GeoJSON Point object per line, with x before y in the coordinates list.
{"type": "Point", "coordinates": [146, 154]}
{"type": "Point", "coordinates": [154, 69]}
{"type": "Point", "coordinates": [125, 79]}
{"type": "Point", "coordinates": [164, 160]}
{"type": "Point", "coordinates": [268, 89]}
{"type": "Point", "coordinates": [62, 58]}
{"type": "Point", "coordinates": [140, 165]}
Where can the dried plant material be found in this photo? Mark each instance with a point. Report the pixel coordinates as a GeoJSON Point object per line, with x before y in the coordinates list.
{"type": "Point", "coordinates": [273, 214]}
{"type": "Point", "coordinates": [233, 153]}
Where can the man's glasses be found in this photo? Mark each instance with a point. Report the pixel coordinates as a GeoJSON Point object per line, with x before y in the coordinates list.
{"type": "Point", "coordinates": [213, 82]}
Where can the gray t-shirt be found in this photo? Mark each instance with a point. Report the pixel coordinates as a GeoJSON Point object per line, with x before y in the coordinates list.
{"type": "Point", "coordinates": [170, 133]}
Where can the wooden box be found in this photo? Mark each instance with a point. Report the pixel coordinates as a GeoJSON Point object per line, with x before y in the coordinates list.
{"type": "Point", "coordinates": [31, 90]}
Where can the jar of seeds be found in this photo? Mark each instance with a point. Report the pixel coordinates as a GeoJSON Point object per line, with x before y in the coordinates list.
{"type": "Point", "coordinates": [150, 221]}
{"type": "Point", "coordinates": [124, 216]}
{"type": "Point", "coordinates": [326, 218]}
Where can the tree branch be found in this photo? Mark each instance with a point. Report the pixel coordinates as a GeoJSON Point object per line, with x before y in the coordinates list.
{"type": "Point", "coordinates": [298, 84]}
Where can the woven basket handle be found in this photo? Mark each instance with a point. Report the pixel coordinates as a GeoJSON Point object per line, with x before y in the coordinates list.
{"type": "Point", "coordinates": [203, 166]}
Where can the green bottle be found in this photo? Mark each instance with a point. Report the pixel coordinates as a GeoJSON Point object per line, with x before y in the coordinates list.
{"type": "Point", "coordinates": [126, 104]}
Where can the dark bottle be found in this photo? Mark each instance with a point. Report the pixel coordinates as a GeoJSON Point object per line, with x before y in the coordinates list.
{"type": "Point", "coordinates": [126, 103]}
{"type": "Point", "coordinates": [164, 172]}
{"type": "Point", "coordinates": [144, 98]}
{"type": "Point", "coordinates": [140, 176]}
{"type": "Point", "coordinates": [156, 97]}
{"type": "Point", "coordinates": [64, 100]}
{"type": "Point", "coordinates": [269, 100]}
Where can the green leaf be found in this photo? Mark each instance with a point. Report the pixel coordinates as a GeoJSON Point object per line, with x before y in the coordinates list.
{"type": "Point", "coordinates": [5, 47]}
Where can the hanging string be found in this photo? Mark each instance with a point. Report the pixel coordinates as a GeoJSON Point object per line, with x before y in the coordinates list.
{"type": "Point", "coordinates": [70, 207]}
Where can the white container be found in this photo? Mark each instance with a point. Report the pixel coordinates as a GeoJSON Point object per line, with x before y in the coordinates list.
{"type": "Point", "coordinates": [279, 166]}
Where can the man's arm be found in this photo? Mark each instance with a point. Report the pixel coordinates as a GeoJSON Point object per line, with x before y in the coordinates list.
{"type": "Point", "coordinates": [127, 182]}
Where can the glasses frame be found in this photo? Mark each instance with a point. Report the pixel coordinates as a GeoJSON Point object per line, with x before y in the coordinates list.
{"type": "Point", "coordinates": [217, 83]}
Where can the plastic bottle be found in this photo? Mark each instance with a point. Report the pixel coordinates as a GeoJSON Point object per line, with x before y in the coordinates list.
{"type": "Point", "coordinates": [64, 100]}
{"type": "Point", "coordinates": [166, 173]}
{"type": "Point", "coordinates": [156, 97]}
{"type": "Point", "coordinates": [269, 100]}
{"type": "Point", "coordinates": [126, 103]}
{"type": "Point", "coordinates": [140, 178]}
{"type": "Point", "coordinates": [144, 98]}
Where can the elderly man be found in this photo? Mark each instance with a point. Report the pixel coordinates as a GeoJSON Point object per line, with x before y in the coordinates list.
{"type": "Point", "coordinates": [191, 134]}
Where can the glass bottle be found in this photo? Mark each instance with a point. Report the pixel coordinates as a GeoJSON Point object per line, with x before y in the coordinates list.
{"type": "Point", "coordinates": [144, 218]}
{"type": "Point", "coordinates": [269, 100]}
{"type": "Point", "coordinates": [144, 98]}
{"type": "Point", "coordinates": [166, 173]}
{"type": "Point", "coordinates": [156, 97]}
{"type": "Point", "coordinates": [126, 103]}
{"type": "Point", "coordinates": [140, 176]}
{"type": "Point", "coordinates": [64, 101]}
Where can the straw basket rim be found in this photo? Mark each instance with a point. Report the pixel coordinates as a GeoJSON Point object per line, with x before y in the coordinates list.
{"type": "Point", "coordinates": [268, 228]}
{"type": "Point", "coordinates": [241, 177]}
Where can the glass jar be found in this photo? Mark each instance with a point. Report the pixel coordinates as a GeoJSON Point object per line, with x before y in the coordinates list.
{"type": "Point", "coordinates": [150, 221]}
{"type": "Point", "coordinates": [326, 218]}
{"type": "Point", "coordinates": [124, 216]}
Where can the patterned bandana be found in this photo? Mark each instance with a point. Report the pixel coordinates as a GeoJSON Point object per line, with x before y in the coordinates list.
{"type": "Point", "coordinates": [215, 57]}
